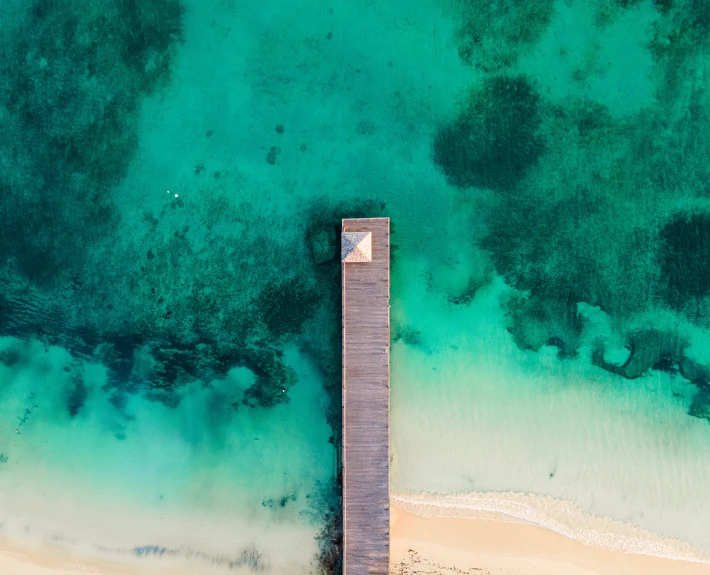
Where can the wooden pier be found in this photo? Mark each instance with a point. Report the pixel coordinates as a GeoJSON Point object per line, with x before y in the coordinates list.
{"type": "Point", "coordinates": [366, 396]}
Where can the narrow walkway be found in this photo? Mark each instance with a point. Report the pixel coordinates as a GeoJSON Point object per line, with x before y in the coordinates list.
{"type": "Point", "coordinates": [366, 353]}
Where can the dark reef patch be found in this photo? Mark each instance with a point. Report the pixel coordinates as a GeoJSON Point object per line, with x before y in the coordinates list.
{"type": "Point", "coordinates": [468, 294]}
{"type": "Point", "coordinates": [284, 306]}
{"type": "Point", "coordinates": [281, 502]}
{"type": "Point", "coordinates": [323, 242]}
{"type": "Point", "coordinates": [77, 397]}
{"type": "Point", "coordinates": [394, 245]}
{"type": "Point", "coordinates": [273, 378]}
{"type": "Point", "coordinates": [326, 507]}
{"type": "Point", "coordinates": [685, 258]}
{"type": "Point", "coordinates": [31, 406]}
{"type": "Point", "coordinates": [175, 358]}
{"type": "Point", "coordinates": [272, 156]}
{"type": "Point", "coordinates": [664, 6]}
{"type": "Point", "coordinates": [700, 406]}
{"type": "Point", "coordinates": [649, 349]}
{"type": "Point", "coordinates": [494, 140]}
{"type": "Point", "coordinates": [556, 248]}
{"type": "Point", "coordinates": [493, 35]}
{"type": "Point", "coordinates": [536, 321]}
{"type": "Point", "coordinates": [11, 356]}
{"type": "Point", "coordinates": [680, 37]}
{"type": "Point", "coordinates": [597, 221]}
{"type": "Point", "coordinates": [407, 335]}
{"type": "Point", "coordinates": [74, 76]}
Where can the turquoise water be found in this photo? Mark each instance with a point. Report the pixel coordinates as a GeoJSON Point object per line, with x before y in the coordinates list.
{"type": "Point", "coordinates": [173, 174]}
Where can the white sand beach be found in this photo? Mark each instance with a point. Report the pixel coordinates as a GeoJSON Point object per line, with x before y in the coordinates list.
{"type": "Point", "coordinates": [447, 545]}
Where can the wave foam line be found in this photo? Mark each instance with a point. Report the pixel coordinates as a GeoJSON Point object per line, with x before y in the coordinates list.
{"type": "Point", "coordinates": [559, 516]}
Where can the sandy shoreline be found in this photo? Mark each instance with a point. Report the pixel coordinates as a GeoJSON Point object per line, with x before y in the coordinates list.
{"type": "Point", "coordinates": [48, 560]}
{"type": "Point", "coordinates": [46, 563]}
{"type": "Point", "coordinates": [422, 545]}
{"type": "Point", "coordinates": [446, 545]}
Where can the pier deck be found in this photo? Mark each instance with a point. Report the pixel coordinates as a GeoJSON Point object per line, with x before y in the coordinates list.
{"type": "Point", "coordinates": [366, 371]}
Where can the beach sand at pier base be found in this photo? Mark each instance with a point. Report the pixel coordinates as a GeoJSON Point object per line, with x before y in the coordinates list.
{"type": "Point", "coordinates": [449, 546]}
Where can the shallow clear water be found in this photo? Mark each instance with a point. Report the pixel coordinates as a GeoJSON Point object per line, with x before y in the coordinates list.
{"type": "Point", "coordinates": [172, 179]}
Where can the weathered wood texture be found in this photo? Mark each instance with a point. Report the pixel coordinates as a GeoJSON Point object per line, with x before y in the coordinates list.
{"type": "Point", "coordinates": [366, 401]}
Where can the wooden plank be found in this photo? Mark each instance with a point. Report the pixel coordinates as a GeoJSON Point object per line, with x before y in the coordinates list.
{"type": "Point", "coordinates": [366, 397]}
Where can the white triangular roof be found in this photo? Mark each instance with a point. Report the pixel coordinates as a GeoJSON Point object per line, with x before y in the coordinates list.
{"type": "Point", "coordinates": [356, 247]}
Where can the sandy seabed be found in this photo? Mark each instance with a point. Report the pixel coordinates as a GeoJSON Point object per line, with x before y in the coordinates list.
{"type": "Point", "coordinates": [47, 561]}
{"type": "Point", "coordinates": [15, 563]}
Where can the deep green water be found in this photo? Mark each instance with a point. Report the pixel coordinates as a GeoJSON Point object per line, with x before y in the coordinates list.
{"type": "Point", "coordinates": [172, 178]}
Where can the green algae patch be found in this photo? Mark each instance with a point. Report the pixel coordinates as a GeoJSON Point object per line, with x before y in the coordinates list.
{"type": "Point", "coordinates": [273, 379]}
{"type": "Point", "coordinates": [74, 76]}
{"type": "Point", "coordinates": [284, 306]}
{"type": "Point", "coordinates": [494, 140]}
{"type": "Point", "coordinates": [492, 35]}
{"type": "Point", "coordinates": [77, 397]}
{"type": "Point", "coordinates": [685, 258]}
{"type": "Point", "coordinates": [573, 232]}
{"type": "Point", "coordinates": [700, 406]}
